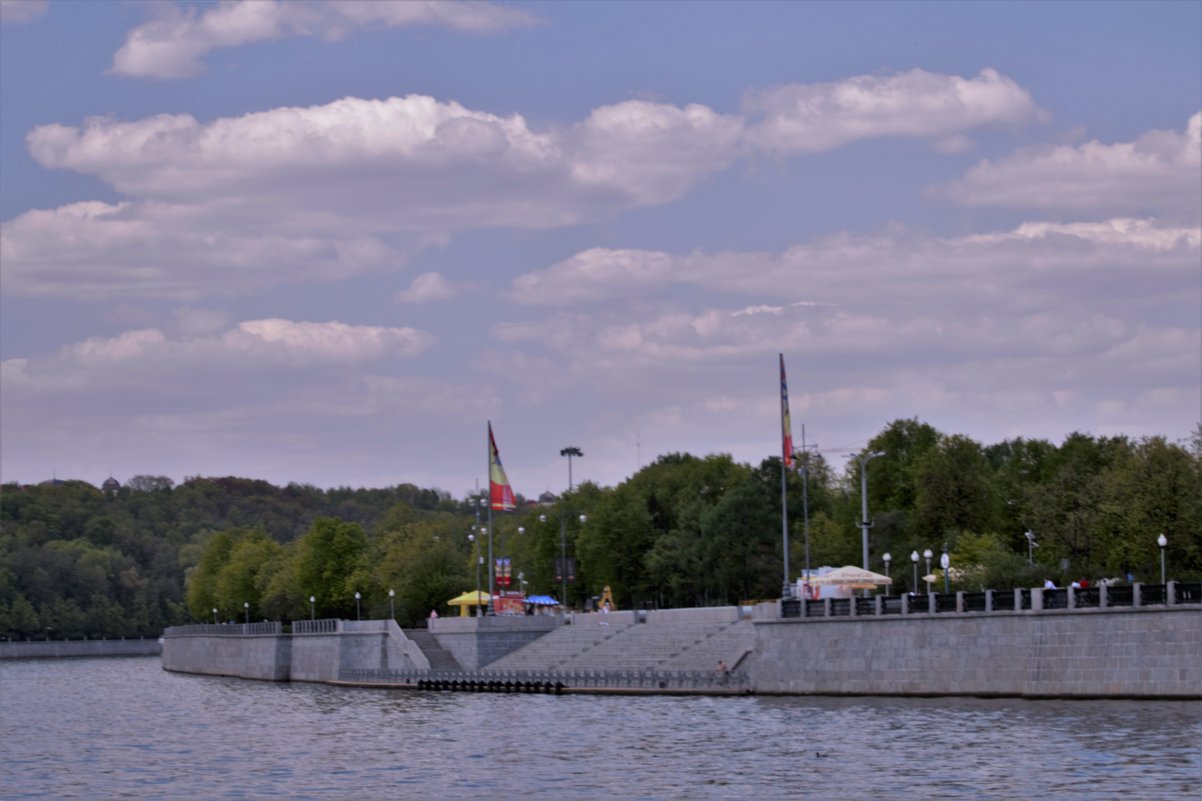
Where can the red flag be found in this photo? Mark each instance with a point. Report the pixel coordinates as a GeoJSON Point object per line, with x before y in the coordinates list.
{"type": "Point", "coordinates": [786, 426]}
{"type": "Point", "coordinates": [499, 492]}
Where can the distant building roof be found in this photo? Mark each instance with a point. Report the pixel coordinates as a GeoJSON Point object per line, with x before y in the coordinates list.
{"type": "Point", "coordinates": [548, 498]}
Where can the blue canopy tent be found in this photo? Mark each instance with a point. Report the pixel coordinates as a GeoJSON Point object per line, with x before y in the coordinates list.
{"type": "Point", "coordinates": [542, 600]}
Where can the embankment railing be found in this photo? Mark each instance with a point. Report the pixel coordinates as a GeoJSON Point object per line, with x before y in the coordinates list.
{"type": "Point", "coordinates": [484, 680]}
{"type": "Point", "coordinates": [1172, 594]}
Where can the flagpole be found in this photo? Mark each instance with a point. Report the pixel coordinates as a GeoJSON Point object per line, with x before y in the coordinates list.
{"type": "Point", "coordinates": [805, 500]}
{"type": "Point", "coordinates": [786, 445]}
{"type": "Point", "coordinates": [784, 524]}
{"type": "Point", "coordinates": [491, 563]}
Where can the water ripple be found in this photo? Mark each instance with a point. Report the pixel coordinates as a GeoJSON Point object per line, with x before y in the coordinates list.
{"type": "Point", "coordinates": [123, 728]}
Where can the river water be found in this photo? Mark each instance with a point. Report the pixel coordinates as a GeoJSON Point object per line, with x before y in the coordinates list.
{"type": "Point", "coordinates": [124, 728]}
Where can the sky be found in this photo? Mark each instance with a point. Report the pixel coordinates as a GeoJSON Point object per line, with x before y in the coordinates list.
{"type": "Point", "coordinates": [328, 242]}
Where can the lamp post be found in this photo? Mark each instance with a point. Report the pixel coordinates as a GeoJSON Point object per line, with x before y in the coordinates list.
{"type": "Point", "coordinates": [214, 614]}
{"type": "Point", "coordinates": [888, 557]}
{"type": "Point", "coordinates": [1030, 535]}
{"type": "Point", "coordinates": [358, 616]}
{"type": "Point", "coordinates": [927, 556]}
{"type": "Point", "coordinates": [312, 607]}
{"type": "Point", "coordinates": [246, 606]}
{"type": "Point", "coordinates": [1162, 541]}
{"type": "Point", "coordinates": [864, 459]}
{"type": "Point", "coordinates": [479, 561]}
{"type": "Point", "coordinates": [914, 559]}
{"type": "Point", "coordinates": [569, 452]}
{"type": "Point", "coordinates": [945, 563]}
{"type": "Point", "coordinates": [392, 604]}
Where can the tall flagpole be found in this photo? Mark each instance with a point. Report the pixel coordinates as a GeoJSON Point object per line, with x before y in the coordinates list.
{"type": "Point", "coordinates": [491, 563]}
{"type": "Point", "coordinates": [805, 500]}
{"type": "Point", "coordinates": [786, 459]}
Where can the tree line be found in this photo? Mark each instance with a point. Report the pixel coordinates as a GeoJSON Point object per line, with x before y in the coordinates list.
{"type": "Point", "coordinates": [682, 531]}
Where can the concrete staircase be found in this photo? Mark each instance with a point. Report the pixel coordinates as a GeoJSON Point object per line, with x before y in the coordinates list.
{"type": "Point", "coordinates": [440, 658]}
{"type": "Point", "coordinates": [593, 642]}
{"type": "Point", "coordinates": [563, 645]}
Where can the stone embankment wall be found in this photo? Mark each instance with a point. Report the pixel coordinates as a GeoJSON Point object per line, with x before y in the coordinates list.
{"type": "Point", "coordinates": [1131, 652]}
{"type": "Point", "coordinates": [51, 649]}
{"type": "Point", "coordinates": [315, 650]}
{"type": "Point", "coordinates": [1142, 653]}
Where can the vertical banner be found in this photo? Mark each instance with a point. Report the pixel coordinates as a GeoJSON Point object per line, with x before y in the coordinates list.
{"type": "Point", "coordinates": [786, 426]}
{"type": "Point", "coordinates": [500, 493]}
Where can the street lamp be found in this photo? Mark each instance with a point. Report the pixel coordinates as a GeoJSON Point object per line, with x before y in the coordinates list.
{"type": "Point", "coordinates": [392, 604]}
{"type": "Point", "coordinates": [214, 614]}
{"type": "Point", "coordinates": [471, 538]}
{"type": "Point", "coordinates": [914, 559]}
{"type": "Point", "coordinates": [246, 606]}
{"type": "Point", "coordinates": [569, 452]}
{"type": "Point", "coordinates": [1162, 541]}
{"type": "Point", "coordinates": [945, 563]}
{"type": "Point", "coordinates": [927, 555]}
{"type": "Point", "coordinates": [1030, 548]}
{"type": "Point", "coordinates": [312, 607]}
{"type": "Point", "coordinates": [864, 459]}
{"type": "Point", "coordinates": [888, 557]}
{"type": "Point", "coordinates": [358, 616]}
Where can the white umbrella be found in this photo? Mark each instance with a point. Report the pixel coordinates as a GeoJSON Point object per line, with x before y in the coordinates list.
{"type": "Point", "coordinates": [856, 578]}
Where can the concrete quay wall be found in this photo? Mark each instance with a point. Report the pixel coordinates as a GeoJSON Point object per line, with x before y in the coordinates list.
{"type": "Point", "coordinates": [1134, 653]}
{"type": "Point", "coordinates": [249, 656]}
{"type": "Point", "coordinates": [53, 649]}
{"type": "Point", "coordinates": [316, 651]}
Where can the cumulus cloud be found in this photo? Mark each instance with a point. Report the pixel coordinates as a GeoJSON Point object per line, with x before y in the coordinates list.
{"type": "Point", "coordinates": [917, 103]}
{"type": "Point", "coordinates": [173, 43]}
{"type": "Point", "coordinates": [18, 12]}
{"type": "Point", "coordinates": [834, 270]}
{"type": "Point", "coordinates": [1160, 172]}
{"type": "Point", "coordinates": [246, 348]}
{"type": "Point", "coordinates": [651, 151]}
{"type": "Point", "coordinates": [425, 288]}
{"type": "Point", "coordinates": [98, 251]}
{"type": "Point", "coordinates": [328, 191]}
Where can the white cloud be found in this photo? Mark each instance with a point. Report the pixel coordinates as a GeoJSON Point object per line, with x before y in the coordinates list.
{"type": "Point", "coordinates": [18, 12]}
{"type": "Point", "coordinates": [334, 341]}
{"type": "Point", "coordinates": [173, 43]}
{"type": "Point", "coordinates": [425, 288]}
{"type": "Point", "coordinates": [917, 103]}
{"type": "Point", "coordinates": [1158, 173]}
{"type": "Point", "coordinates": [97, 251]}
{"type": "Point", "coordinates": [247, 348]}
{"type": "Point", "coordinates": [899, 266]}
{"type": "Point", "coordinates": [653, 152]}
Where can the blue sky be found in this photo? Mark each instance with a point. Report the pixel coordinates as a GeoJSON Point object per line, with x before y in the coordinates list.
{"type": "Point", "coordinates": [326, 242]}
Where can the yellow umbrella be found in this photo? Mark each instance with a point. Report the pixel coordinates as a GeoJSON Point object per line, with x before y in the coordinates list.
{"type": "Point", "coordinates": [472, 598]}
{"type": "Point", "coordinates": [856, 578]}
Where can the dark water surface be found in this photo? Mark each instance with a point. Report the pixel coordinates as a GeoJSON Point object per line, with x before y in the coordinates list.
{"type": "Point", "coordinates": [124, 728]}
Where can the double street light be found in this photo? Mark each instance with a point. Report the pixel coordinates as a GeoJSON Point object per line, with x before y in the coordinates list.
{"type": "Point", "coordinates": [570, 452]}
{"type": "Point", "coordinates": [865, 524]}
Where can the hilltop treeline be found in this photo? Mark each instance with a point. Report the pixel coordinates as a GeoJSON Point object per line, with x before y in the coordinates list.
{"type": "Point", "coordinates": [683, 531]}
